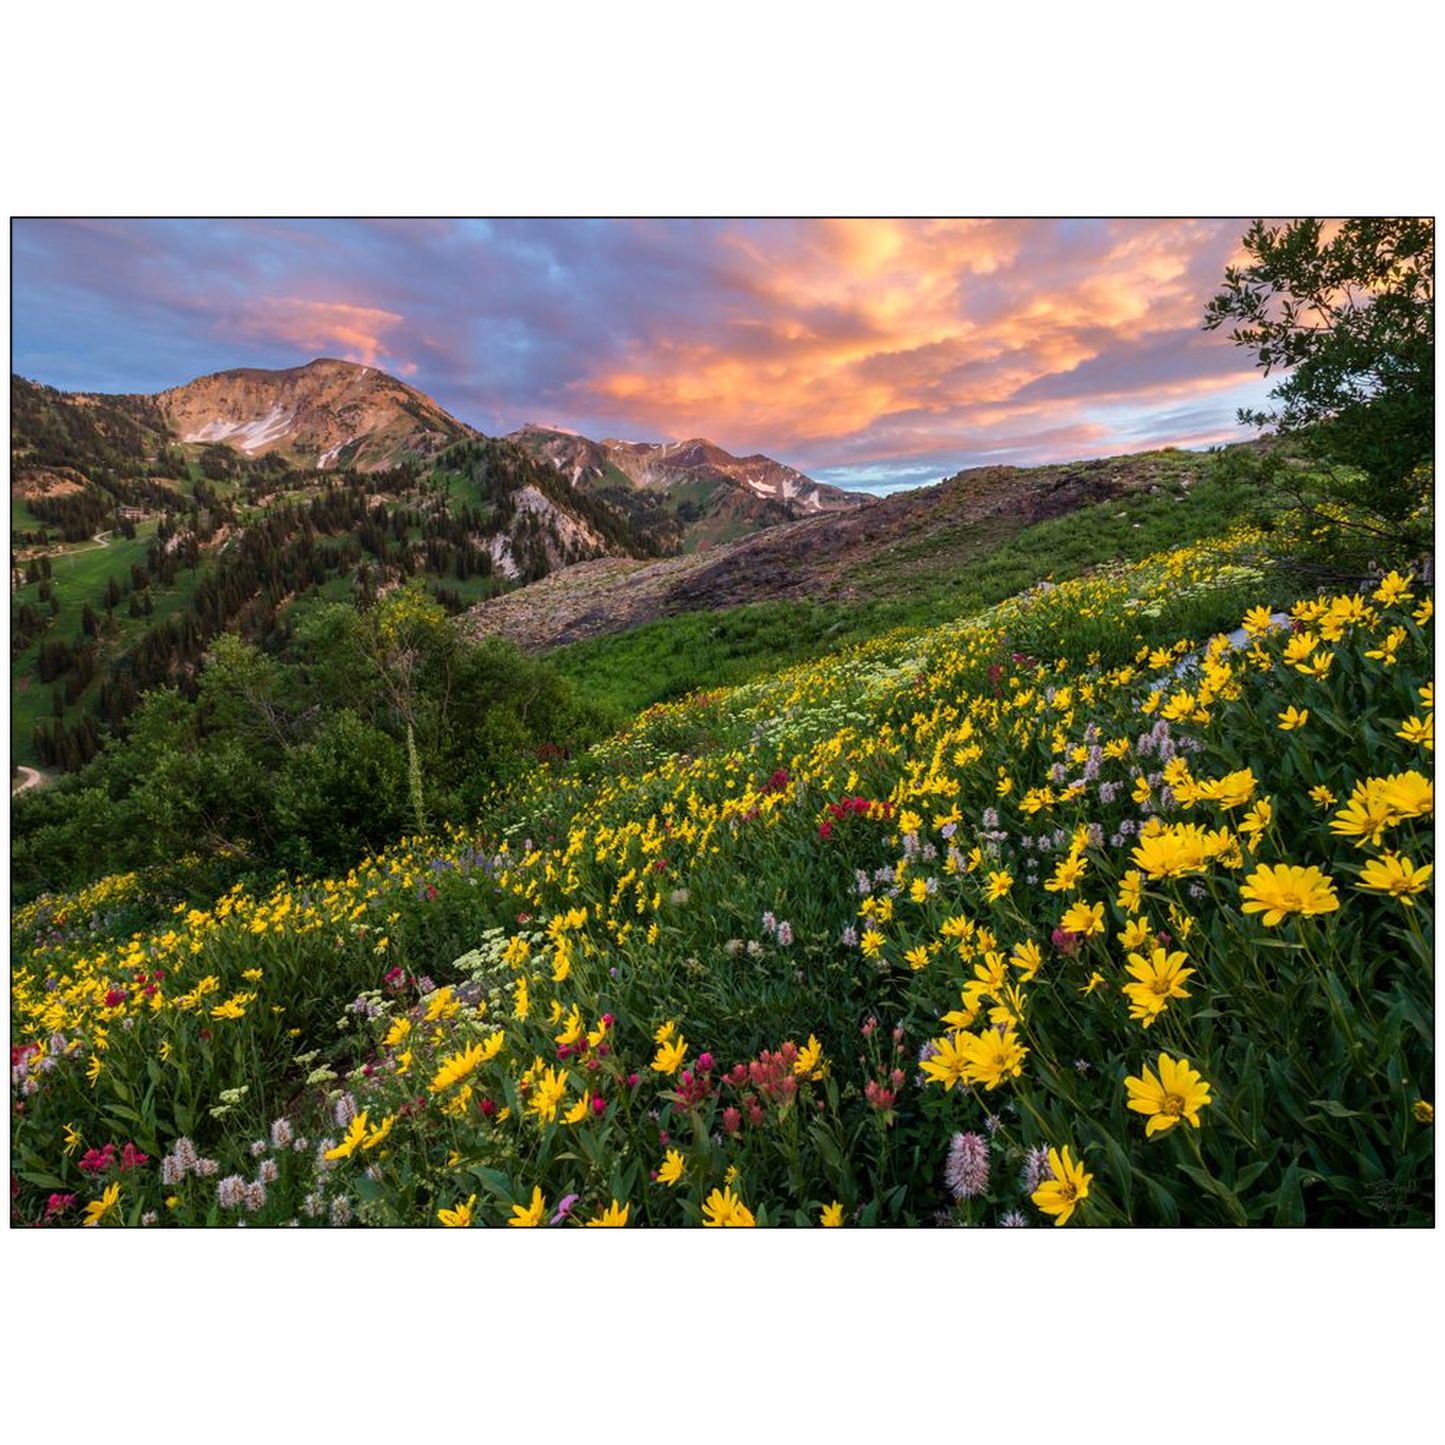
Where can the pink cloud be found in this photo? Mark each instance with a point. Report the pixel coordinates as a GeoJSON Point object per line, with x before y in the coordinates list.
{"type": "Point", "coordinates": [354, 333]}
{"type": "Point", "coordinates": [832, 328]}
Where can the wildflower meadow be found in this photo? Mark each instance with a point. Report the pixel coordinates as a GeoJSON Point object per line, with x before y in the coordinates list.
{"type": "Point", "coordinates": [1110, 906]}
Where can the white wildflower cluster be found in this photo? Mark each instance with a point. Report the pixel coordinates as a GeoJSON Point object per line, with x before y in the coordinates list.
{"type": "Point", "coordinates": [182, 1161]}
{"type": "Point", "coordinates": [780, 932]}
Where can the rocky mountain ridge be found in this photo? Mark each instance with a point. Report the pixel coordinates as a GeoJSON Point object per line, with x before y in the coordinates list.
{"type": "Point", "coordinates": [328, 414]}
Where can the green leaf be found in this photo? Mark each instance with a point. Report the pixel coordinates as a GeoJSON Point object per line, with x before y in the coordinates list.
{"type": "Point", "coordinates": [1335, 1109]}
{"type": "Point", "coordinates": [42, 1181]}
{"type": "Point", "coordinates": [1290, 1200]}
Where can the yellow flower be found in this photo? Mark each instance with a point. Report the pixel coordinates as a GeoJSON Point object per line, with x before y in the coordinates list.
{"type": "Point", "coordinates": [461, 1216]}
{"type": "Point", "coordinates": [1410, 794]}
{"type": "Point", "coordinates": [724, 1209]}
{"type": "Point", "coordinates": [1392, 589]}
{"type": "Point", "coordinates": [1299, 647]}
{"type": "Point", "coordinates": [999, 885]}
{"type": "Point", "coordinates": [399, 1029]}
{"type": "Point", "coordinates": [456, 1068]}
{"type": "Point", "coordinates": [809, 1058]}
{"type": "Point", "coordinates": [1096, 980]}
{"type": "Point", "coordinates": [379, 1133]}
{"type": "Point", "coordinates": [832, 1215]}
{"type": "Point", "coordinates": [948, 1064]}
{"type": "Point", "coordinates": [97, 1209]}
{"type": "Point", "coordinates": [1424, 1113]}
{"type": "Point", "coordinates": [72, 1139]}
{"type": "Point", "coordinates": [531, 1216]}
{"type": "Point", "coordinates": [917, 958]}
{"type": "Point", "coordinates": [573, 1029]}
{"type": "Point", "coordinates": [92, 1069]}
{"type": "Point", "coordinates": [1420, 731]}
{"type": "Point", "coordinates": [613, 1217]}
{"type": "Point", "coordinates": [1131, 892]}
{"type": "Point", "coordinates": [672, 1167]}
{"type": "Point", "coordinates": [1066, 875]}
{"type": "Point", "coordinates": [1062, 1194]}
{"type": "Point", "coordinates": [1282, 890]}
{"type": "Point", "coordinates": [354, 1136]}
{"type": "Point", "coordinates": [1258, 621]}
{"type": "Point", "coordinates": [1136, 934]}
{"type": "Point", "coordinates": [578, 1112]}
{"type": "Point", "coordinates": [1027, 958]}
{"type": "Point", "coordinates": [669, 1056]}
{"type": "Point", "coordinates": [1084, 918]}
{"type": "Point", "coordinates": [994, 1057]}
{"type": "Point", "coordinates": [1396, 876]}
{"type": "Point", "coordinates": [438, 1006]}
{"type": "Point", "coordinates": [233, 1008]}
{"type": "Point", "coordinates": [547, 1094]}
{"type": "Point", "coordinates": [1292, 718]}
{"type": "Point", "coordinates": [1321, 797]}
{"type": "Point", "coordinates": [1177, 1092]}
{"type": "Point", "coordinates": [1256, 821]}
{"type": "Point", "coordinates": [1173, 852]}
{"type": "Point", "coordinates": [1232, 791]}
{"type": "Point", "coordinates": [872, 943]}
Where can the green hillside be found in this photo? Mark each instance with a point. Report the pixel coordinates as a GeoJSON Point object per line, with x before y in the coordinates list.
{"type": "Point", "coordinates": [1061, 912]}
{"type": "Point", "coordinates": [125, 574]}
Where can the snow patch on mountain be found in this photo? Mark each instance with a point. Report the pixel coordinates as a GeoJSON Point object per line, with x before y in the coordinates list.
{"type": "Point", "coordinates": [330, 456]}
{"type": "Point", "coordinates": [250, 436]}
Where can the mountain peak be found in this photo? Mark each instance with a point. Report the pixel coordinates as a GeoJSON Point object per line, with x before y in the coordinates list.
{"type": "Point", "coordinates": [326, 412]}
{"type": "Point", "coordinates": [714, 495]}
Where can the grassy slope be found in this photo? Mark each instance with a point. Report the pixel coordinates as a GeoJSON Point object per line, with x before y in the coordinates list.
{"type": "Point", "coordinates": [889, 716]}
{"type": "Point", "coordinates": [950, 575]}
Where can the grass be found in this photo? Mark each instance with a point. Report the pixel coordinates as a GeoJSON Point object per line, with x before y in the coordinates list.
{"type": "Point", "coordinates": [949, 574]}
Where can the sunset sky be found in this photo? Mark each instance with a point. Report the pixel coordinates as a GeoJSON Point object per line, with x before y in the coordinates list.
{"type": "Point", "coordinates": [866, 353]}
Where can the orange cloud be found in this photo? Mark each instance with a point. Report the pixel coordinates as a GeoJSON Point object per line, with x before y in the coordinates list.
{"type": "Point", "coordinates": [354, 333]}
{"type": "Point", "coordinates": [834, 327]}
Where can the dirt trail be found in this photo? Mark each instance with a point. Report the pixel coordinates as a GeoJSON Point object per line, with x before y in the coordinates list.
{"type": "Point", "coordinates": [29, 778]}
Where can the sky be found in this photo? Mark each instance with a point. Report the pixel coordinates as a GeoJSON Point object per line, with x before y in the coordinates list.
{"type": "Point", "coordinates": [870, 354]}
